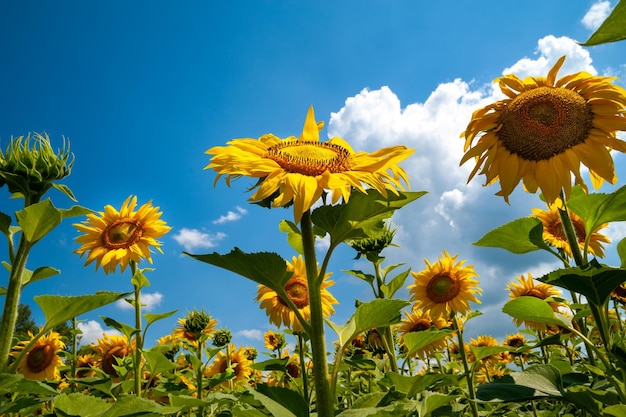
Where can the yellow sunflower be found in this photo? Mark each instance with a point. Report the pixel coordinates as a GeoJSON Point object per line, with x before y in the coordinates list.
{"type": "Point", "coordinates": [113, 238]}
{"type": "Point", "coordinates": [298, 170]}
{"type": "Point", "coordinates": [274, 340]}
{"type": "Point", "coordinates": [445, 287]}
{"type": "Point", "coordinates": [485, 341]}
{"type": "Point", "coordinates": [235, 361]}
{"type": "Point", "coordinates": [545, 129]}
{"type": "Point", "coordinates": [42, 361]}
{"type": "Point", "coordinates": [195, 328]}
{"type": "Point", "coordinates": [297, 289]}
{"type": "Point", "coordinates": [109, 349]}
{"type": "Point", "coordinates": [526, 287]}
{"type": "Point", "coordinates": [555, 236]}
{"type": "Point", "coordinates": [419, 321]}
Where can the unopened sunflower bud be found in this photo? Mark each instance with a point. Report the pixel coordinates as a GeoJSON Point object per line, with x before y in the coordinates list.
{"type": "Point", "coordinates": [373, 246]}
{"type": "Point", "coordinates": [222, 337]}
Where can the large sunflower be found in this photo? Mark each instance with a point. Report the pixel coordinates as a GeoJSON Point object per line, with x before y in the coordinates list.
{"type": "Point", "coordinates": [109, 349]}
{"type": "Point", "coordinates": [297, 289]}
{"type": "Point", "coordinates": [419, 321]}
{"type": "Point", "coordinates": [235, 361]}
{"type": "Point", "coordinates": [113, 238]}
{"type": "Point", "coordinates": [545, 129]}
{"type": "Point", "coordinates": [526, 287]}
{"type": "Point", "coordinates": [555, 236]}
{"type": "Point", "coordinates": [298, 170]}
{"type": "Point", "coordinates": [445, 287]}
{"type": "Point", "coordinates": [42, 361]}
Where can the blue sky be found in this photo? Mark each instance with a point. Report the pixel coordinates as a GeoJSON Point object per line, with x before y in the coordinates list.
{"type": "Point", "coordinates": [143, 88]}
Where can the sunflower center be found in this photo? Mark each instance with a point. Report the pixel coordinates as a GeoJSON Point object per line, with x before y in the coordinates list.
{"type": "Point", "coordinates": [442, 288]}
{"type": "Point", "coordinates": [543, 122]}
{"type": "Point", "coordinates": [122, 234]}
{"type": "Point", "coordinates": [310, 158]}
{"type": "Point", "coordinates": [298, 292]}
{"type": "Point", "coordinates": [421, 325]}
{"type": "Point", "coordinates": [39, 358]}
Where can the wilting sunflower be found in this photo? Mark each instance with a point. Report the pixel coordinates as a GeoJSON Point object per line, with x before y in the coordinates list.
{"type": "Point", "coordinates": [297, 289]}
{"type": "Point", "coordinates": [555, 236]}
{"type": "Point", "coordinates": [238, 362]}
{"type": "Point", "coordinates": [195, 328]}
{"type": "Point", "coordinates": [298, 170]}
{"type": "Point", "coordinates": [545, 129]}
{"type": "Point", "coordinates": [419, 321]}
{"type": "Point", "coordinates": [445, 287]}
{"type": "Point", "coordinates": [109, 349]}
{"type": "Point", "coordinates": [113, 238]}
{"type": "Point", "coordinates": [42, 361]}
{"type": "Point", "coordinates": [526, 287]}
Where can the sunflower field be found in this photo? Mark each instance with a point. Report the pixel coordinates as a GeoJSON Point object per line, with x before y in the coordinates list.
{"type": "Point", "coordinates": [393, 356]}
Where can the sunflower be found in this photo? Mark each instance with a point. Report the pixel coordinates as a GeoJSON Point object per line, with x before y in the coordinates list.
{"type": "Point", "coordinates": [84, 365]}
{"type": "Point", "coordinates": [42, 361]}
{"type": "Point", "coordinates": [235, 361]}
{"type": "Point", "coordinates": [274, 340]}
{"type": "Point", "coordinates": [195, 328]}
{"type": "Point", "coordinates": [297, 288]}
{"type": "Point", "coordinates": [619, 294]}
{"type": "Point", "coordinates": [526, 287]}
{"type": "Point", "coordinates": [555, 236]}
{"type": "Point", "coordinates": [109, 349]}
{"type": "Point", "coordinates": [445, 287]}
{"type": "Point", "coordinates": [545, 129]}
{"type": "Point", "coordinates": [114, 238]}
{"type": "Point", "coordinates": [419, 321]}
{"type": "Point", "coordinates": [485, 341]}
{"type": "Point", "coordinates": [298, 170]}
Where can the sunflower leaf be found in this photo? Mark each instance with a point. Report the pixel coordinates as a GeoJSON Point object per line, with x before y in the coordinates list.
{"type": "Point", "coordinates": [79, 404]}
{"type": "Point", "coordinates": [535, 310]}
{"type": "Point", "coordinates": [274, 407]}
{"type": "Point", "coordinates": [390, 288]}
{"type": "Point", "coordinates": [38, 219]}
{"type": "Point", "coordinates": [519, 236]}
{"type": "Point", "coordinates": [5, 222]}
{"type": "Point", "coordinates": [38, 274]}
{"type": "Point", "coordinates": [415, 341]}
{"type": "Point", "coordinates": [594, 281]}
{"type": "Point", "coordinates": [265, 268]}
{"type": "Point", "coordinates": [538, 381]}
{"type": "Point", "coordinates": [621, 251]}
{"type": "Point", "coordinates": [599, 208]}
{"type": "Point", "coordinates": [612, 29]}
{"type": "Point", "coordinates": [294, 236]}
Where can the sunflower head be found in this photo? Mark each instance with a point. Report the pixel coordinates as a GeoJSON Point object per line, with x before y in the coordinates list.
{"type": "Point", "coordinates": [545, 129]}
{"type": "Point", "coordinates": [221, 337]}
{"type": "Point", "coordinates": [274, 340]}
{"type": "Point", "coordinates": [195, 328]}
{"type": "Point", "coordinates": [232, 361]}
{"type": "Point", "coordinates": [419, 321]}
{"type": "Point", "coordinates": [371, 247]}
{"type": "Point", "coordinates": [109, 349]}
{"type": "Point", "coordinates": [444, 287]}
{"type": "Point", "coordinates": [113, 238]}
{"type": "Point", "coordinates": [42, 361]}
{"type": "Point", "coordinates": [527, 287]}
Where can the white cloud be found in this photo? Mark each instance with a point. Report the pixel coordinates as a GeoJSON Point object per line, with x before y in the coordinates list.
{"type": "Point", "coordinates": [92, 330]}
{"type": "Point", "coordinates": [148, 301]}
{"type": "Point", "coordinates": [192, 239]}
{"type": "Point", "coordinates": [596, 15]}
{"type": "Point", "coordinates": [231, 216]}
{"type": "Point", "coordinates": [254, 334]}
{"type": "Point", "coordinates": [450, 201]}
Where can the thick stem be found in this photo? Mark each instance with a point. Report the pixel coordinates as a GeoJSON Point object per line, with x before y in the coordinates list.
{"type": "Point", "coordinates": [303, 371]}
{"type": "Point", "coordinates": [324, 401]}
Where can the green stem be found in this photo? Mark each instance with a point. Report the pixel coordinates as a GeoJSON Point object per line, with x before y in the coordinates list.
{"type": "Point", "coordinates": [199, 373]}
{"type": "Point", "coordinates": [324, 401]}
{"type": "Point", "coordinates": [387, 334]}
{"type": "Point", "coordinates": [138, 335]}
{"type": "Point", "coordinates": [468, 373]}
{"type": "Point", "coordinates": [303, 372]}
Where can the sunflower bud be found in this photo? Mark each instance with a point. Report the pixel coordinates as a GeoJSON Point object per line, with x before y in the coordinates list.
{"type": "Point", "coordinates": [251, 353]}
{"type": "Point", "coordinates": [221, 337]}
{"type": "Point", "coordinates": [371, 247]}
{"type": "Point", "coordinates": [29, 166]}
{"type": "Point", "coordinates": [197, 322]}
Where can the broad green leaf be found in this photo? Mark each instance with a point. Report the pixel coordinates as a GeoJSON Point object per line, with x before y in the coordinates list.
{"type": "Point", "coordinates": [390, 288]}
{"type": "Point", "coordinates": [265, 268]}
{"type": "Point", "coordinates": [482, 352]}
{"type": "Point", "coordinates": [519, 236]}
{"type": "Point", "coordinates": [432, 401]}
{"type": "Point", "coordinates": [361, 216]}
{"type": "Point", "coordinates": [591, 400]}
{"type": "Point", "coordinates": [275, 408]}
{"type": "Point", "coordinates": [78, 404]}
{"type": "Point", "coordinates": [271, 365]}
{"type": "Point", "coordinates": [294, 236]}
{"type": "Point", "coordinates": [5, 223]}
{"type": "Point", "coordinates": [599, 208]}
{"type": "Point", "coordinates": [538, 381]}
{"type": "Point", "coordinates": [535, 309]}
{"type": "Point", "coordinates": [594, 281]}
{"type": "Point", "coordinates": [125, 329]}
{"type": "Point", "coordinates": [157, 361]}
{"type": "Point", "coordinates": [65, 190]}
{"type": "Point", "coordinates": [415, 341]}
{"type": "Point", "coordinates": [38, 274]}
{"type": "Point", "coordinates": [38, 219]}
{"type": "Point", "coordinates": [153, 317]}
{"type": "Point", "coordinates": [378, 313]}
{"type": "Point", "coordinates": [616, 410]}
{"type": "Point", "coordinates": [612, 29]}
{"type": "Point", "coordinates": [621, 251]}
{"type": "Point", "coordinates": [75, 211]}
{"type": "Point", "coordinates": [344, 332]}
{"type": "Point", "coordinates": [129, 405]}
{"type": "Point", "coordinates": [17, 384]}
{"type": "Point", "coordinates": [58, 309]}
{"type": "Point", "coordinates": [288, 398]}
{"type": "Point", "coordinates": [99, 383]}
{"type": "Point", "coordinates": [369, 278]}
{"type": "Point", "coordinates": [415, 384]}
{"type": "Point", "coordinates": [139, 279]}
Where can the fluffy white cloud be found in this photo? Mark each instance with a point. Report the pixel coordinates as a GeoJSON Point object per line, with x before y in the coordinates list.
{"type": "Point", "coordinates": [192, 239]}
{"type": "Point", "coordinates": [254, 334]}
{"type": "Point", "coordinates": [149, 302]}
{"type": "Point", "coordinates": [231, 216]}
{"type": "Point", "coordinates": [92, 330]}
{"type": "Point", "coordinates": [596, 15]}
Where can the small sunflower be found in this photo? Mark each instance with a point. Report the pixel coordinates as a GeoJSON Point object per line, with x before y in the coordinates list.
{"type": "Point", "coordinates": [419, 321]}
{"type": "Point", "coordinates": [195, 328]}
{"type": "Point", "coordinates": [445, 287]}
{"type": "Point", "coordinates": [42, 361]}
{"type": "Point", "coordinates": [545, 129]}
{"type": "Point", "coordinates": [236, 361]}
{"type": "Point", "coordinates": [113, 238]}
{"type": "Point", "coordinates": [485, 341]}
{"type": "Point", "coordinates": [298, 170]}
{"type": "Point", "coordinates": [109, 349]}
{"type": "Point", "coordinates": [526, 287]}
{"type": "Point", "coordinates": [555, 236]}
{"type": "Point", "coordinates": [84, 365]}
{"type": "Point", "coordinates": [297, 289]}
{"type": "Point", "coordinates": [274, 340]}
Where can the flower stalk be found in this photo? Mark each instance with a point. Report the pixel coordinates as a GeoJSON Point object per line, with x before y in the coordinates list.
{"type": "Point", "coordinates": [468, 374]}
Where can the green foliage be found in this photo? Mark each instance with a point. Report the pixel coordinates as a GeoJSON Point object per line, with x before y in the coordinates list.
{"type": "Point", "coordinates": [535, 310]}
{"type": "Point", "coordinates": [613, 29]}
{"type": "Point", "coordinates": [519, 236]}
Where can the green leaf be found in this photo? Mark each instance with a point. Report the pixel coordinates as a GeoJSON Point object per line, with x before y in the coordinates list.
{"type": "Point", "coordinates": [157, 361]}
{"type": "Point", "coordinates": [612, 29]}
{"type": "Point", "coordinates": [139, 279]}
{"type": "Point", "coordinates": [361, 216]}
{"type": "Point", "coordinates": [412, 385]}
{"type": "Point", "coordinates": [294, 236]}
{"type": "Point", "coordinates": [17, 384]}
{"type": "Point", "coordinates": [125, 329]}
{"type": "Point", "coordinates": [519, 236]}
{"type": "Point", "coordinates": [616, 410]}
{"type": "Point", "coordinates": [275, 408]}
{"type": "Point", "coordinates": [599, 208]}
{"type": "Point", "coordinates": [5, 223]}
{"type": "Point", "coordinates": [38, 274]}
{"type": "Point", "coordinates": [65, 190]}
{"type": "Point", "coordinates": [58, 309]}
{"type": "Point", "coordinates": [369, 278]}
{"type": "Point", "coordinates": [432, 401]}
{"type": "Point", "coordinates": [482, 352]}
{"type": "Point", "coordinates": [535, 309]}
{"type": "Point", "coordinates": [78, 404]}
{"type": "Point", "coordinates": [129, 405]}
{"type": "Point", "coordinates": [538, 381]}
{"type": "Point", "coordinates": [415, 341]}
{"type": "Point", "coordinates": [621, 251]}
{"type": "Point", "coordinates": [38, 219]}
{"type": "Point", "coordinates": [151, 317]}
{"type": "Point", "coordinates": [594, 281]}
{"type": "Point", "coordinates": [271, 365]}
{"type": "Point", "coordinates": [378, 313]}
{"type": "Point", "coordinates": [288, 398]}
{"type": "Point", "coordinates": [265, 268]}
{"type": "Point", "coordinates": [390, 288]}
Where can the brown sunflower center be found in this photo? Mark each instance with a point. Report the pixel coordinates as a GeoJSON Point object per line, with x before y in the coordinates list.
{"type": "Point", "coordinates": [122, 234]}
{"type": "Point", "coordinates": [310, 158]}
{"type": "Point", "coordinates": [442, 288]}
{"type": "Point", "coordinates": [515, 342]}
{"type": "Point", "coordinates": [39, 358]}
{"type": "Point", "coordinates": [421, 325]}
{"type": "Point", "coordinates": [298, 292]}
{"type": "Point", "coordinates": [543, 122]}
